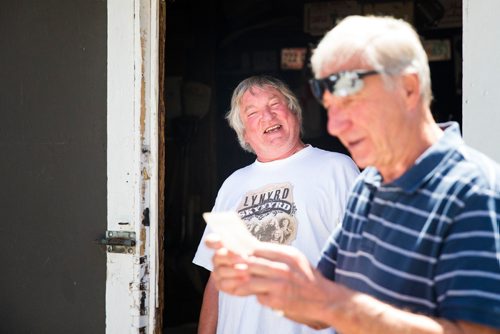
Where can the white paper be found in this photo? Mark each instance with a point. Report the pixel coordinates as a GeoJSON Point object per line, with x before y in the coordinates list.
{"type": "Point", "coordinates": [232, 231]}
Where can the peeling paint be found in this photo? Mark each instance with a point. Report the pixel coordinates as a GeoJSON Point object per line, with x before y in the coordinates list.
{"type": "Point", "coordinates": [145, 174]}
{"type": "Point", "coordinates": [143, 240]}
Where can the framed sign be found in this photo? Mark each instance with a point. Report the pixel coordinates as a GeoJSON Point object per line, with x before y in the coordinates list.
{"type": "Point", "coordinates": [293, 58]}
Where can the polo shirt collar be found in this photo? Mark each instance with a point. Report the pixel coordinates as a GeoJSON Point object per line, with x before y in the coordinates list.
{"type": "Point", "coordinates": [425, 165]}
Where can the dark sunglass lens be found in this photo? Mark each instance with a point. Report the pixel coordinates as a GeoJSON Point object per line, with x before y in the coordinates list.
{"type": "Point", "coordinates": [317, 89]}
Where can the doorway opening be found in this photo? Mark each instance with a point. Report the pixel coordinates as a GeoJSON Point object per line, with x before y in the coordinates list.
{"type": "Point", "coordinates": [210, 46]}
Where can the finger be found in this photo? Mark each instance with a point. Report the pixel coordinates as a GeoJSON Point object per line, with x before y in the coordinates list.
{"type": "Point", "coordinates": [237, 271]}
{"type": "Point", "coordinates": [213, 241]}
{"type": "Point", "coordinates": [264, 268]}
{"type": "Point", "coordinates": [279, 253]}
{"type": "Point", "coordinates": [224, 257]}
{"type": "Point", "coordinates": [293, 262]}
{"type": "Point", "coordinates": [285, 267]}
{"type": "Point", "coordinates": [255, 286]}
{"type": "Point", "coordinates": [229, 278]}
{"type": "Point", "coordinates": [230, 285]}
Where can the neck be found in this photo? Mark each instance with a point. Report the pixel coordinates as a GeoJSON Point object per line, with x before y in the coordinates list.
{"type": "Point", "coordinates": [282, 155]}
{"type": "Point", "coordinates": [414, 143]}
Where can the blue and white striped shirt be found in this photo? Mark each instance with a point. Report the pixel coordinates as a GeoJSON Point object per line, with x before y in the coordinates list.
{"type": "Point", "coordinates": [429, 241]}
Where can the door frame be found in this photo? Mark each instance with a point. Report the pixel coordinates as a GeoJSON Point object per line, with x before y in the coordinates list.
{"type": "Point", "coordinates": [132, 282]}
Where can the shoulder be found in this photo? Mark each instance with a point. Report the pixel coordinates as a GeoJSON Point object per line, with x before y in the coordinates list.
{"type": "Point", "coordinates": [334, 169]}
{"type": "Point", "coordinates": [478, 172]}
{"type": "Point", "coordinates": [337, 159]}
{"type": "Point", "coordinates": [237, 177]}
{"type": "Point", "coordinates": [473, 179]}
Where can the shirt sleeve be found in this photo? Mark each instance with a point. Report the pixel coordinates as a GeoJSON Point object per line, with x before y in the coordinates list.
{"type": "Point", "coordinates": [468, 271]}
{"type": "Point", "coordinates": [203, 256]}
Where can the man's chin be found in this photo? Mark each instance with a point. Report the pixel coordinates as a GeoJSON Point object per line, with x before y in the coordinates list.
{"type": "Point", "coordinates": [361, 161]}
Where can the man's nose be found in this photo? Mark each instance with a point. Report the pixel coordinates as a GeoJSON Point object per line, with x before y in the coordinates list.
{"type": "Point", "coordinates": [268, 113]}
{"type": "Point", "coordinates": [338, 117]}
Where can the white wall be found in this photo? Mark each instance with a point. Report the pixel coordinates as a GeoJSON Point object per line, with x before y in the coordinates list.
{"type": "Point", "coordinates": [481, 76]}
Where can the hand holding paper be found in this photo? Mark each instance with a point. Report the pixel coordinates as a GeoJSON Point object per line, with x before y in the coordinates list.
{"type": "Point", "coordinates": [232, 231]}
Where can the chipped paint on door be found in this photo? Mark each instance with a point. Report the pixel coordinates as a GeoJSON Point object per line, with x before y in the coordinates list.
{"type": "Point", "coordinates": [131, 287]}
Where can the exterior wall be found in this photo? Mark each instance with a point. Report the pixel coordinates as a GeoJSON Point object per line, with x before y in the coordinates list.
{"type": "Point", "coordinates": [53, 166]}
{"type": "Point", "coordinates": [481, 76]}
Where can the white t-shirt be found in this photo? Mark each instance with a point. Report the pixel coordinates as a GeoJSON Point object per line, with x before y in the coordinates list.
{"type": "Point", "coordinates": [297, 201]}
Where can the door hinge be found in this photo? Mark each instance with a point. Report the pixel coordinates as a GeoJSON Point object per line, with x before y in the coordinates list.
{"type": "Point", "coordinates": [119, 242]}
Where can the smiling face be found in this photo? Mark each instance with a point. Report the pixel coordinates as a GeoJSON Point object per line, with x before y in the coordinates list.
{"type": "Point", "coordinates": [271, 129]}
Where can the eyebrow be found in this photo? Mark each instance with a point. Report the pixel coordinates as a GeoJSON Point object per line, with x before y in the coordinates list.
{"type": "Point", "coordinates": [249, 107]}
{"type": "Point", "coordinates": [275, 98]}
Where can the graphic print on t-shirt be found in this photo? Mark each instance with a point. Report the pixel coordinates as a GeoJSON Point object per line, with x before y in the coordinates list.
{"type": "Point", "coordinates": [269, 213]}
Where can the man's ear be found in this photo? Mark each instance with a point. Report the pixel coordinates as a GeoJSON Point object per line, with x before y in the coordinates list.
{"type": "Point", "coordinates": [245, 139]}
{"type": "Point", "coordinates": [411, 86]}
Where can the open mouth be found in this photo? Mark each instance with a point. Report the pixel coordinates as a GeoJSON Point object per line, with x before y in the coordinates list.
{"type": "Point", "coordinates": [272, 128]}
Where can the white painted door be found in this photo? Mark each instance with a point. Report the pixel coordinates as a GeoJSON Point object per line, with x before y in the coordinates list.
{"type": "Point", "coordinates": [481, 54]}
{"type": "Point", "coordinates": [132, 161]}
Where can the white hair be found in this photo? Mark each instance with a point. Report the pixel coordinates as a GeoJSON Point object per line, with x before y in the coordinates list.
{"type": "Point", "coordinates": [388, 45]}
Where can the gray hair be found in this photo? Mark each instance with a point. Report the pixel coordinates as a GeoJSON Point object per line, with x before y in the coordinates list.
{"type": "Point", "coordinates": [388, 45]}
{"type": "Point", "coordinates": [260, 81]}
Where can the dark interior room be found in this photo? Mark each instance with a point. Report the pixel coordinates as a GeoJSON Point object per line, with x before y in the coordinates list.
{"type": "Point", "coordinates": [210, 46]}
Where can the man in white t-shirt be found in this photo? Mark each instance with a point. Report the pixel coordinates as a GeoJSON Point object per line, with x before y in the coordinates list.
{"type": "Point", "coordinates": [292, 194]}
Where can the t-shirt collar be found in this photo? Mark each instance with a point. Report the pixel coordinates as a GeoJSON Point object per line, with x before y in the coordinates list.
{"type": "Point", "coordinates": [297, 155]}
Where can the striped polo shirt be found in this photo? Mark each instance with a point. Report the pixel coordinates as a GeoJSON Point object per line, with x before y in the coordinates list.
{"type": "Point", "coordinates": [429, 241]}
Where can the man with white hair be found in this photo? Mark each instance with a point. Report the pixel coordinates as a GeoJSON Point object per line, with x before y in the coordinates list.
{"type": "Point", "coordinates": [419, 248]}
{"type": "Point", "coordinates": [293, 194]}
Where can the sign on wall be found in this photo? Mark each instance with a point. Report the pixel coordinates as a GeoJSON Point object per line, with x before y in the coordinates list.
{"type": "Point", "coordinates": [293, 58]}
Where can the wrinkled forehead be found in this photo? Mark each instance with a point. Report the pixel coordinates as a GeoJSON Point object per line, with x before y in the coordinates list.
{"type": "Point", "coordinates": [263, 93]}
{"type": "Point", "coordinates": [256, 90]}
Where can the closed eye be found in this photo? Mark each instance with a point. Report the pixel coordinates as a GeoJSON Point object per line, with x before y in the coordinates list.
{"type": "Point", "coordinates": [275, 105]}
